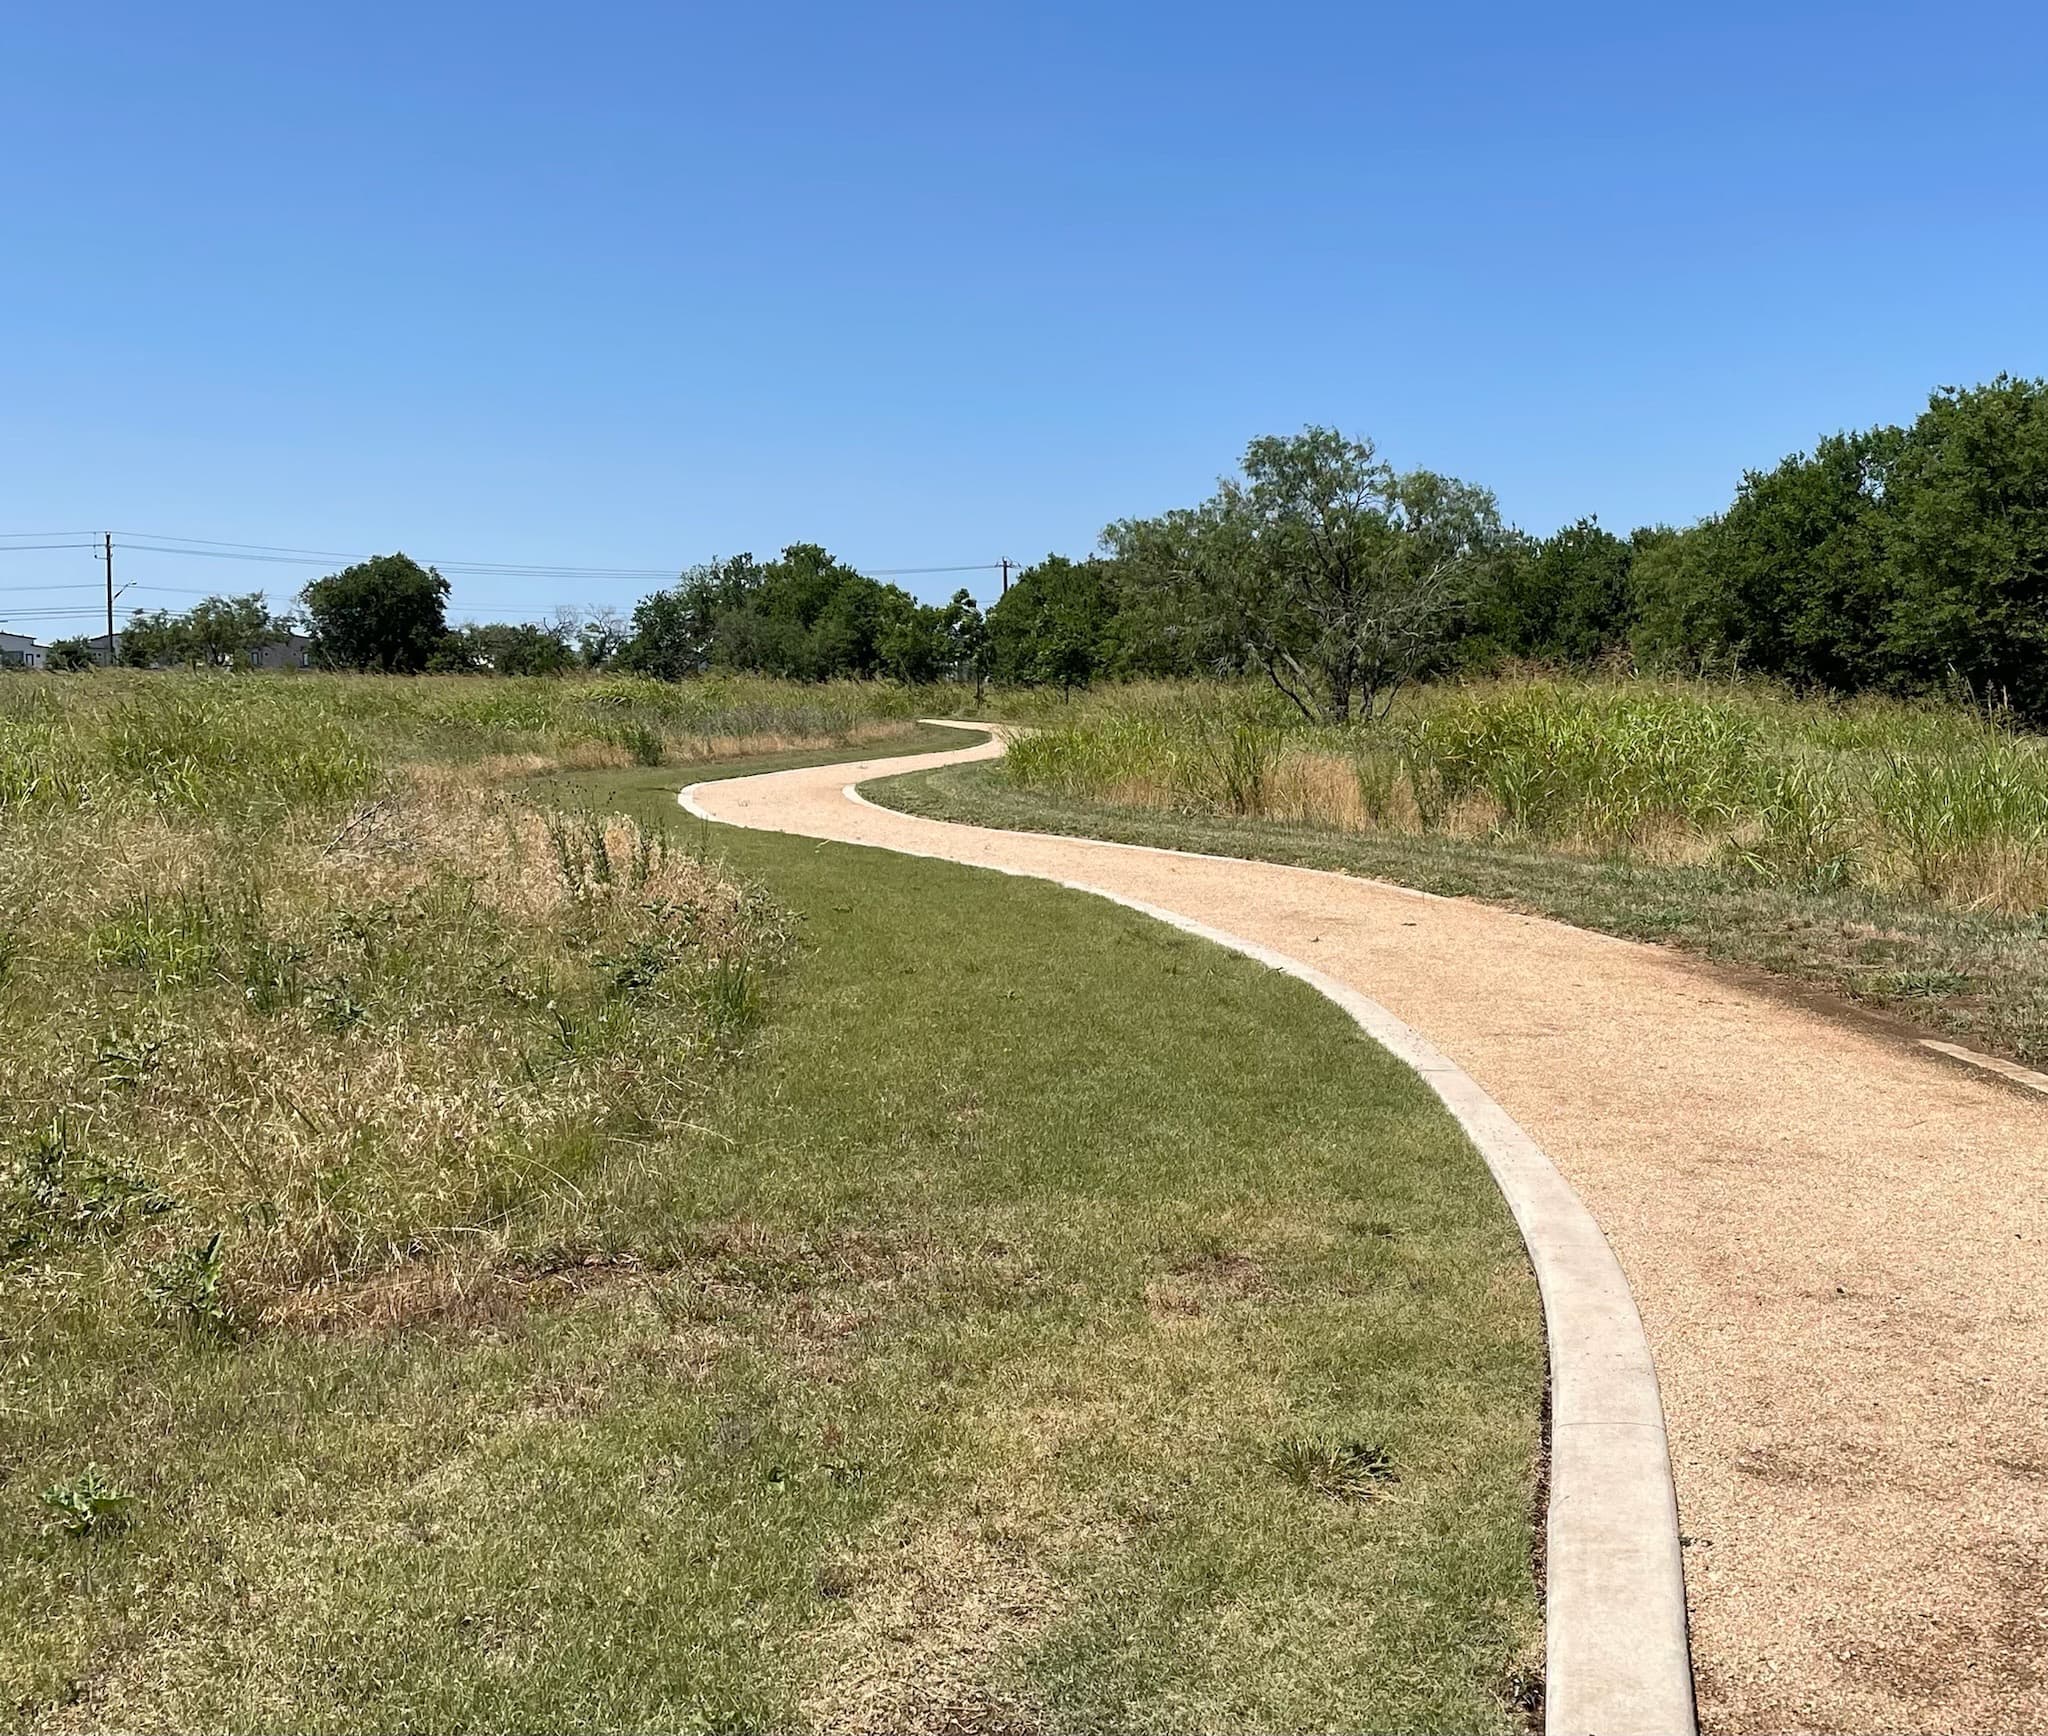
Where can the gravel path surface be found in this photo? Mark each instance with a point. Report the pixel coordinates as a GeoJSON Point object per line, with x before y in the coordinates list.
{"type": "Point", "coordinates": [1838, 1241]}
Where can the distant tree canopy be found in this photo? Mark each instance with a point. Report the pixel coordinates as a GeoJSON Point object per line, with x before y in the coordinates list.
{"type": "Point", "coordinates": [806, 616]}
{"type": "Point", "coordinates": [507, 648]}
{"type": "Point", "coordinates": [219, 633]}
{"type": "Point", "coordinates": [388, 613]}
{"type": "Point", "coordinates": [1564, 598]}
{"type": "Point", "coordinates": [1910, 559]}
{"type": "Point", "coordinates": [963, 640]}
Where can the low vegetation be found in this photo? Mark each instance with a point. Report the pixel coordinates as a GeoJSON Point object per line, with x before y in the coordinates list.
{"type": "Point", "coordinates": [182, 744]}
{"type": "Point", "coordinates": [1945, 803]}
{"type": "Point", "coordinates": [480, 1251]}
{"type": "Point", "coordinates": [1894, 851]}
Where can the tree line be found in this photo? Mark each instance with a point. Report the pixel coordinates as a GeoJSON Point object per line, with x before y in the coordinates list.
{"type": "Point", "coordinates": [1906, 559]}
{"type": "Point", "coordinates": [1910, 560]}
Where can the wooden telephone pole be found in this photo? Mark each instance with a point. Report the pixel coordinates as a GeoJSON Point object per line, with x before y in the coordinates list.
{"type": "Point", "coordinates": [110, 598]}
{"type": "Point", "coordinates": [1006, 581]}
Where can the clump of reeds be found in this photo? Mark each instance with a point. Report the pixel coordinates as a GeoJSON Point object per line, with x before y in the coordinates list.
{"type": "Point", "coordinates": [1944, 802]}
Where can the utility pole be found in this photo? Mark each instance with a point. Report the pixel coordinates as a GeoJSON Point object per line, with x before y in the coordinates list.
{"type": "Point", "coordinates": [110, 599]}
{"type": "Point", "coordinates": [1006, 581]}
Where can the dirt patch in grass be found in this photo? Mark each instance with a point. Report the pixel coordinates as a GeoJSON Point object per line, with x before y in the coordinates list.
{"type": "Point", "coordinates": [927, 1628]}
{"type": "Point", "coordinates": [463, 1297]}
{"type": "Point", "coordinates": [1205, 1281]}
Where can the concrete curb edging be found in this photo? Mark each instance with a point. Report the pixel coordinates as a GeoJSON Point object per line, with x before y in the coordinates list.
{"type": "Point", "coordinates": [1617, 1661]}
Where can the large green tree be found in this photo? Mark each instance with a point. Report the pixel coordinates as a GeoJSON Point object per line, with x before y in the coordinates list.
{"type": "Point", "coordinates": [806, 615]}
{"type": "Point", "coordinates": [1053, 627]}
{"type": "Point", "coordinates": [388, 613]}
{"type": "Point", "coordinates": [1966, 554]}
{"type": "Point", "coordinates": [1334, 575]}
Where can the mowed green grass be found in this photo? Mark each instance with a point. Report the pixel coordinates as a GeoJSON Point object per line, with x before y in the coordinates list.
{"type": "Point", "coordinates": [1049, 1322]}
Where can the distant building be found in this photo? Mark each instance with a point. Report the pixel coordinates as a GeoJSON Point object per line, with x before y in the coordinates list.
{"type": "Point", "coordinates": [288, 651]}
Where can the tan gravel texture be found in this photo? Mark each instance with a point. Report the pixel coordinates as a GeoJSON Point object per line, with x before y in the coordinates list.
{"type": "Point", "coordinates": [1838, 1242]}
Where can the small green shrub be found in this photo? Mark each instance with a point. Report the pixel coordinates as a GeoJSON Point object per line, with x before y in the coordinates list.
{"type": "Point", "coordinates": [189, 1290]}
{"type": "Point", "coordinates": [1346, 1471]}
{"type": "Point", "coordinates": [732, 998]}
{"type": "Point", "coordinates": [129, 1060]}
{"type": "Point", "coordinates": [53, 1195]}
{"type": "Point", "coordinates": [89, 1504]}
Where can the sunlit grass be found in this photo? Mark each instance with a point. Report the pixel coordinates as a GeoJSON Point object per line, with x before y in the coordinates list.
{"type": "Point", "coordinates": [1944, 803]}
{"type": "Point", "coordinates": [264, 744]}
{"type": "Point", "coordinates": [501, 1255]}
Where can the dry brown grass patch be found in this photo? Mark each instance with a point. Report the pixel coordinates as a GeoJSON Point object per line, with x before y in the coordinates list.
{"type": "Point", "coordinates": [924, 1632]}
{"type": "Point", "coordinates": [463, 1295]}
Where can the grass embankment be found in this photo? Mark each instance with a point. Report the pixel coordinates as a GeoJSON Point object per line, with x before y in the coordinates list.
{"type": "Point", "coordinates": [1895, 854]}
{"type": "Point", "coordinates": [474, 1265]}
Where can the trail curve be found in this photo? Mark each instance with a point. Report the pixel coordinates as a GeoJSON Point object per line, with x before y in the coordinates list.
{"type": "Point", "coordinates": [1615, 1632]}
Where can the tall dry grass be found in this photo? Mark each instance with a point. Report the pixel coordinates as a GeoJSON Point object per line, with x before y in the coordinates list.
{"type": "Point", "coordinates": [1945, 803]}
{"type": "Point", "coordinates": [206, 742]}
{"type": "Point", "coordinates": [287, 1000]}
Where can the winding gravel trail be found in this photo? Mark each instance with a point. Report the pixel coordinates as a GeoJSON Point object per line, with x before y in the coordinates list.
{"type": "Point", "coordinates": [1838, 1243]}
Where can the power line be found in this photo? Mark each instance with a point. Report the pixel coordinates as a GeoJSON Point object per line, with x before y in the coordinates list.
{"type": "Point", "coordinates": [154, 541]}
{"type": "Point", "coordinates": [458, 603]}
{"type": "Point", "coordinates": [278, 554]}
{"type": "Point", "coordinates": [473, 569]}
{"type": "Point", "coordinates": [283, 554]}
{"type": "Point", "coordinates": [904, 572]}
{"type": "Point", "coordinates": [215, 542]}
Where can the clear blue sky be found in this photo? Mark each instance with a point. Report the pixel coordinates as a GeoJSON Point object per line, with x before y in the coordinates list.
{"type": "Point", "coordinates": [633, 285]}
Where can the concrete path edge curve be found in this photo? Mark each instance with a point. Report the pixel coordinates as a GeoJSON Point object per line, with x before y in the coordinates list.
{"type": "Point", "coordinates": [1617, 1660]}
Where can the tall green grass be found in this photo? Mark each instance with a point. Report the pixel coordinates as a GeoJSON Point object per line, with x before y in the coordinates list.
{"type": "Point", "coordinates": [278, 954]}
{"type": "Point", "coordinates": [1946, 802]}
{"type": "Point", "coordinates": [254, 743]}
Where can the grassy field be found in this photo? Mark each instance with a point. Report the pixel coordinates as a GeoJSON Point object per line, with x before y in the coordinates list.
{"type": "Point", "coordinates": [484, 1251]}
{"type": "Point", "coordinates": [1897, 855]}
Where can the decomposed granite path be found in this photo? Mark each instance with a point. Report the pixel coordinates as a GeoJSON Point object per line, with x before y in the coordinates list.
{"type": "Point", "coordinates": [1837, 1240]}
